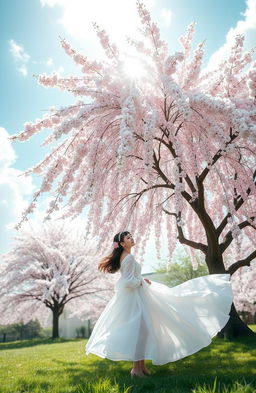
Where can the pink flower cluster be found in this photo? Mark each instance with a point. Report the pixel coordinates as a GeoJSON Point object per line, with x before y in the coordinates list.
{"type": "Point", "coordinates": [48, 81]}
{"type": "Point", "coordinates": [50, 266]}
{"type": "Point", "coordinates": [252, 81]}
{"type": "Point", "coordinates": [110, 49]}
{"type": "Point", "coordinates": [127, 127]}
{"type": "Point", "coordinates": [169, 148]}
{"type": "Point", "coordinates": [79, 59]}
{"type": "Point", "coordinates": [243, 285]}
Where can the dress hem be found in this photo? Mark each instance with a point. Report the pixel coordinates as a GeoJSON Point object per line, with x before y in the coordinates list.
{"type": "Point", "coordinates": [168, 361]}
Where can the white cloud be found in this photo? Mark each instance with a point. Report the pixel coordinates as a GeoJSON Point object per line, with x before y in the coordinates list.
{"type": "Point", "coordinates": [23, 70]}
{"type": "Point", "coordinates": [245, 26]}
{"type": "Point", "coordinates": [119, 18]}
{"type": "Point", "coordinates": [59, 70]}
{"type": "Point", "coordinates": [20, 56]}
{"type": "Point", "coordinates": [50, 3]}
{"type": "Point", "coordinates": [7, 156]}
{"type": "Point", "coordinates": [18, 52]}
{"type": "Point", "coordinates": [49, 62]}
{"type": "Point", "coordinates": [166, 17]}
{"type": "Point", "coordinates": [14, 190]}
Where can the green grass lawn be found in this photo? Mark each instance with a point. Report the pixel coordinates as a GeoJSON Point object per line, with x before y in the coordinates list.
{"type": "Point", "coordinates": [62, 367]}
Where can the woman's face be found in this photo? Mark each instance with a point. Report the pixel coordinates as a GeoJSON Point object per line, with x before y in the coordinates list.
{"type": "Point", "coordinates": [128, 241]}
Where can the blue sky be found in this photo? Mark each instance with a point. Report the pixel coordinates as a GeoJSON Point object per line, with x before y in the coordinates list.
{"type": "Point", "coordinates": [29, 45]}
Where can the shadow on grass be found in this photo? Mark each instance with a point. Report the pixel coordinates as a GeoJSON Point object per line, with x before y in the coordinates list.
{"type": "Point", "coordinates": [164, 379]}
{"type": "Point", "coordinates": [30, 387]}
{"type": "Point", "coordinates": [33, 342]}
{"type": "Point", "coordinates": [221, 358]}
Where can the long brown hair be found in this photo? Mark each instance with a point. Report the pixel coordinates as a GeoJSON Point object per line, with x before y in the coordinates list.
{"type": "Point", "coordinates": [111, 263]}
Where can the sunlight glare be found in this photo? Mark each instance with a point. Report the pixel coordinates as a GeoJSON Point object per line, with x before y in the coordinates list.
{"type": "Point", "coordinates": [133, 68]}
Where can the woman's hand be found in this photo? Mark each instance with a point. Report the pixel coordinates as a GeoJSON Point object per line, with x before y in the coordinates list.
{"type": "Point", "coordinates": [147, 280]}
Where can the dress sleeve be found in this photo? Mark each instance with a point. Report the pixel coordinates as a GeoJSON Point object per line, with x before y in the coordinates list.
{"type": "Point", "coordinates": [128, 273]}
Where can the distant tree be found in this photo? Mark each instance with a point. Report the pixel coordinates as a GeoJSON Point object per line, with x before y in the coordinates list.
{"type": "Point", "coordinates": [173, 149]}
{"type": "Point", "coordinates": [50, 268]}
{"type": "Point", "coordinates": [244, 288]}
{"type": "Point", "coordinates": [33, 328]}
{"type": "Point", "coordinates": [21, 330]}
{"type": "Point", "coordinates": [83, 331]}
{"type": "Point", "coordinates": [8, 331]}
{"type": "Point", "coordinates": [27, 330]}
{"type": "Point", "coordinates": [181, 270]}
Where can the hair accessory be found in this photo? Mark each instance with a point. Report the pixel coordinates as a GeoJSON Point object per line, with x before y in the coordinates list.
{"type": "Point", "coordinates": [115, 245]}
{"type": "Point", "coordinates": [119, 236]}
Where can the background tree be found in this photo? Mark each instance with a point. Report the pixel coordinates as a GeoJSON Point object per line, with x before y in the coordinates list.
{"type": "Point", "coordinates": [173, 149]}
{"type": "Point", "coordinates": [181, 270]}
{"type": "Point", "coordinates": [51, 268]}
{"type": "Point", "coordinates": [244, 288]}
{"type": "Point", "coordinates": [21, 330]}
{"type": "Point", "coordinates": [243, 281]}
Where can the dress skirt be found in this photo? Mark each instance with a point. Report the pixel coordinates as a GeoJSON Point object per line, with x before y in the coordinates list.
{"type": "Point", "coordinates": [160, 323]}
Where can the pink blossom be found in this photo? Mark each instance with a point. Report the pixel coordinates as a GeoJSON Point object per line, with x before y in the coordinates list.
{"type": "Point", "coordinates": [252, 81]}
{"type": "Point", "coordinates": [173, 151]}
{"type": "Point", "coordinates": [51, 267]}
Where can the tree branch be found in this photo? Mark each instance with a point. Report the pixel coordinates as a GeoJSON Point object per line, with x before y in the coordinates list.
{"type": "Point", "coordinates": [74, 296]}
{"type": "Point", "coordinates": [171, 149]}
{"type": "Point", "coordinates": [217, 156]}
{"type": "Point", "coordinates": [238, 202]}
{"type": "Point", "coordinates": [229, 238]}
{"type": "Point", "coordinates": [191, 243]}
{"type": "Point", "coordinates": [242, 262]}
{"type": "Point", "coordinates": [183, 240]}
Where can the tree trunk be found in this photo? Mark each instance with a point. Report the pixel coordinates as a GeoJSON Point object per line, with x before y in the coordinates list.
{"type": "Point", "coordinates": [55, 323]}
{"type": "Point", "coordinates": [235, 327]}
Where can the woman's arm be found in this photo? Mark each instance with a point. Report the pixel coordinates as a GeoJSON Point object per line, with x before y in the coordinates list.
{"type": "Point", "coordinates": [128, 273]}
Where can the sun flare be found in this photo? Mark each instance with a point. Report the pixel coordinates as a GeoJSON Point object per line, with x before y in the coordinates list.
{"type": "Point", "coordinates": [134, 68]}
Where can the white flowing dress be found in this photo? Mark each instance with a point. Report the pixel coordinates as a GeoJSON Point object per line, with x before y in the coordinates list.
{"type": "Point", "coordinates": [160, 323]}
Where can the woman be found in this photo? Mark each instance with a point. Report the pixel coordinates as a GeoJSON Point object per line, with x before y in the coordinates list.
{"type": "Point", "coordinates": [148, 320]}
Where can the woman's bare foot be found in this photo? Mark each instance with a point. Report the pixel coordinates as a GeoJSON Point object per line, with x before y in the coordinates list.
{"type": "Point", "coordinates": [142, 367]}
{"type": "Point", "coordinates": [146, 371]}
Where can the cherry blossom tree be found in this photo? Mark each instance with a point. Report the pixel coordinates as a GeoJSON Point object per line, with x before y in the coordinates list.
{"type": "Point", "coordinates": [243, 283]}
{"type": "Point", "coordinates": [51, 269]}
{"type": "Point", "coordinates": [172, 150]}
